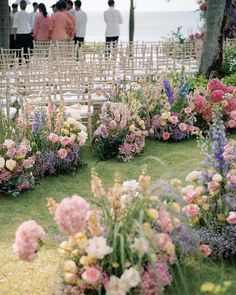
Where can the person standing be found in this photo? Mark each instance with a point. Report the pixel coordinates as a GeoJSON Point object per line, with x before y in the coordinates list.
{"type": "Point", "coordinates": [33, 15]}
{"type": "Point", "coordinates": [113, 19]}
{"type": "Point", "coordinates": [60, 25]}
{"type": "Point", "coordinates": [21, 27]}
{"type": "Point", "coordinates": [71, 17]}
{"type": "Point", "coordinates": [41, 26]}
{"type": "Point", "coordinates": [69, 7]}
{"type": "Point", "coordinates": [81, 22]}
{"type": "Point", "coordinates": [12, 40]}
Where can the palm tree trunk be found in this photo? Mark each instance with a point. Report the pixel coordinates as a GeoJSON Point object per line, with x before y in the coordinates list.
{"type": "Point", "coordinates": [4, 24]}
{"type": "Point", "coordinates": [131, 21]}
{"type": "Point", "coordinates": [212, 54]}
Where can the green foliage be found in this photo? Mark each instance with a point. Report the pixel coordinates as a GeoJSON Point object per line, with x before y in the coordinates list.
{"type": "Point", "coordinates": [229, 80]}
{"type": "Point", "coordinates": [229, 62]}
{"type": "Point", "coordinates": [178, 35]}
{"type": "Point", "coordinates": [197, 81]}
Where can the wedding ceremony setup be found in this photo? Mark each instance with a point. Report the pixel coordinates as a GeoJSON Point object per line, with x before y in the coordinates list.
{"type": "Point", "coordinates": [118, 153]}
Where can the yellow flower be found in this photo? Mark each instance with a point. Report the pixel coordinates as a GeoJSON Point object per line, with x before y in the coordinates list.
{"type": "Point", "coordinates": [176, 206]}
{"type": "Point", "coordinates": [205, 206]}
{"type": "Point", "coordinates": [166, 115]}
{"type": "Point", "coordinates": [207, 287]}
{"type": "Point", "coordinates": [152, 213]}
{"type": "Point", "coordinates": [115, 265]}
{"type": "Point", "coordinates": [221, 217]}
{"type": "Point", "coordinates": [81, 240]}
{"type": "Point", "coordinates": [10, 164]}
{"type": "Point", "coordinates": [199, 190]}
{"type": "Point", "coordinates": [132, 128]}
{"type": "Point", "coordinates": [175, 182]}
{"type": "Point", "coordinates": [86, 260]}
{"type": "Point", "coordinates": [70, 266]}
{"type": "Point", "coordinates": [66, 125]}
{"type": "Point", "coordinates": [64, 248]}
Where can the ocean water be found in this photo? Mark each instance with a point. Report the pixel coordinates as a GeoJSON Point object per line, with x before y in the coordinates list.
{"type": "Point", "coordinates": [149, 26]}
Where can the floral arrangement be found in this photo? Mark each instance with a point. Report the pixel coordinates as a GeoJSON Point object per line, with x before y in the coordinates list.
{"type": "Point", "coordinates": [217, 93]}
{"type": "Point", "coordinates": [15, 168]}
{"type": "Point", "coordinates": [120, 133]}
{"type": "Point", "coordinates": [209, 197]}
{"type": "Point", "coordinates": [119, 240]}
{"type": "Point", "coordinates": [55, 140]}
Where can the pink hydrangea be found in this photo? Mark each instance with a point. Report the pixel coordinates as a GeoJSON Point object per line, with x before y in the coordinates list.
{"type": "Point", "coordinates": [217, 96]}
{"type": "Point", "coordinates": [62, 153]}
{"type": "Point", "coordinates": [53, 137]}
{"type": "Point", "coordinates": [26, 242]}
{"type": "Point", "coordinates": [207, 114]}
{"type": "Point", "coordinates": [71, 215]}
{"type": "Point", "coordinates": [216, 84]}
{"type": "Point", "coordinates": [231, 105]}
{"type": "Point", "coordinates": [199, 103]}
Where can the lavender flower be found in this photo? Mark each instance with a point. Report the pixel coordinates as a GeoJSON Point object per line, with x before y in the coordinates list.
{"type": "Point", "coordinates": [168, 91]}
{"type": "Point", "coordinates": [39, 120]}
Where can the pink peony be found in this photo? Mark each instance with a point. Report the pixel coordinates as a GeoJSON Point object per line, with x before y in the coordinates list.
{"type": "Point", "coordinates": [231, 218]}
{"type": "Point", "coordinates": [174, 119]}
{"type": "Point", "coordinates": [53, 137]}
{"type": "Point", "coordinates": [71, 215]}
{"type": "Point", "coordinates": [26, 242]}
{"type": "Point", "coordinates": [213, 186]}
{"type": "Point", "coordinates": [65, 140]}
{"type": "Point", "coordinates": [187, 110]}
{"type": "Point", "coordinates": [217, 96]}
{"type": "Point", "coordinates": [91, 275]}
{"type": "Point", "coordinates": [166, 135]}
{"type": "Point", "coordinates": [199, 103]}
{"type": "Point", "coordinates": [183, 127]}
{"type": "Point", "coordinates": [205, 250]}
{"type": "Point", "coordinates": [231, 123]}
{"type": "Point", "coordinates": [62, 153]}
{"type": "Point", "coordinates": [191, 210]}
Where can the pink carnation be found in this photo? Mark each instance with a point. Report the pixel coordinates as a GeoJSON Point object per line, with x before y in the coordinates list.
{"type": "Point", "coordinates": [62, 153]}
{"type": "Point", "coordinates": [166, 135]}
{"type": "Point", "coordinates": [91, 275]}
{"type": "Point", "coordinates": [199, 103]}
{"type": "Point", "coordinates": [65, 140]}
{"type": "Point", "coordinates": [53, 137]}
{"type": "Point", "coordinates": [231, 218]}
{"type": "Point", "coordinates": [213, 186]}
{"type": "Point", "coordinates": [183, 127]}
{"type": "Point", "coordinates": [217, 96]}
{"type": "Point", "coordinates": [71, 215]}
{"type": "Point", "coordinates": [191, 210]}
{"type": "Point", "coordinates": [205, 250]}
{"type": "Point", "coordinates": [26, 242]}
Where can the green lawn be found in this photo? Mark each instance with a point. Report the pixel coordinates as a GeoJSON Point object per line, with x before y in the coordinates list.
{"type": "Point", "coordinates": [163, 160]}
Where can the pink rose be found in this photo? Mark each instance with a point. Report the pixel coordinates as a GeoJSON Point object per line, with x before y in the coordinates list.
{"type": "Point", "coordinates": [11, 152]}
{"type": "Point", "coordinates": [91, 275]}
{"type": "Point", "coordinates": [187, 110]}
{"type": "Point", "coordinates": [194, 129]}
{"type": "Point", "coordinates": [166, 135]}
{"type": "Point", "coordinates": [176, 222]}
{"type": "Point", "coordinates": [231, 218]}
{"type": "Point", "coordinates": [26, 242]}
{"type": "Point", "coordinates": [174, 119]}
{"type": "Point", "coordinates": [191, 210]}
{"type": "Point", "coordinates": [189, 196]}
{"type": "Point", "coordinates": [65, 140]}
{"type": "Point", "coordinates": [205, 250]}
{"type": "Point", "coordinates": [231, 123]}
{"type": "Point", "coordinates": [71, 215]}
{"type": "Point", "coordinates": [62, 153]}
{"type": "Point", "coordinates": [213, 186]}
{"type": "Point", "coordinates": [233, 115]}
{"type": "Point", "coordinates": [22, 151]}
{"type": "Point", "coordinates": [28, 163]}
{"type": "Point", "coordinates": [183, 127]}
{"type": "Point", "coordinates": [53, 137]}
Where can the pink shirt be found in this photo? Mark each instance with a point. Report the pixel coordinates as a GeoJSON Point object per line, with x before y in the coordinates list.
{"type": "Point", "coordinates": [72, 19]}
{"type": "Point", "coordinates": [60, 26]}
{"type": "Point", "coordinates": [41, 28]}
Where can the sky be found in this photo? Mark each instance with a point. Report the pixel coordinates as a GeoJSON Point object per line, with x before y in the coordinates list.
{"type": "Point", "coordinates": [123, 5]}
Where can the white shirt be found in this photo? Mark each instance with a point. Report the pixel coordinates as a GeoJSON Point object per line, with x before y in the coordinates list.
{"type": "Point", "coordinates": [112, 19]}
{"type": "Point", "coordinates": [32, 19]}
{"type": "Point", "coordinates": [22, 22]}
{"type": "Point", "coordinates": [81, 22]}
{"type": "Point", "coordinates": [11, 22]}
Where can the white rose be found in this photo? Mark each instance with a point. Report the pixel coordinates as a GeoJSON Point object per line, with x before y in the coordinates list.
{"type": "Point", "coordinates": [10, 164]}
{"type": "Point", "coordinates": [141, 245]}
{"type": "Point", "coordinates": [98, 248]}
{"type": "Point", "coordinates": [71, 121]}
{"type": "Point", "coordinates": [217, 177]}
{"type": "Point", "coordinates": [8, 143]}
{"type": "Point", "coordinates": [70, 266]}
{"type": "Point", "coordinates": [132, 277]}
{"type": "Point", "coordinates": [193, 176]}
{"type": "Point", "coordinates": [83, 135]}
{"type": "Point", "coordinates": [187, 189]}
{"type": "Point", "coordinates": [116, 286]}
{"type": "Point", "coordinates": [2, 163]}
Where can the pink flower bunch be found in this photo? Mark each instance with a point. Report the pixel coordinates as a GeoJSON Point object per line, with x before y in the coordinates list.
{"type": "Point", "coordinates": [197, 36]}
{"type": "Point", "coordinates": [216, 84]}
{"type": "Point", "coordinates": [166, 223]}
{"type": "Point", "coordinates": [71, 215]}
{"type": "Point", "coordinates": [26, 244]}
{"type": "Point", "coordinates": [154, 280]}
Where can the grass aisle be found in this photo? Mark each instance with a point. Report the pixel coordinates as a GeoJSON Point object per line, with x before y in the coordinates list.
{"type": "Point", "coordinates": [41, 277]}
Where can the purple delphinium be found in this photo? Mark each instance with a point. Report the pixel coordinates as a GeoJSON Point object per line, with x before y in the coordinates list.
{"type": "Point", "coordinates": [39, 120]}
{"type": "Point", "coordinates": [183, 89]}
{"type": "Point", "coordinates": [168, 91]}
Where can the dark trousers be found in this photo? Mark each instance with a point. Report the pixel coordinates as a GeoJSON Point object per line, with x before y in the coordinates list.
{"type": "Point", "coordinates": [79, 40]}
{"type": "Point", "coordinates": [110, 41]}
{"type": "Point", "coordinates": [12, 42]}
{"type": "Point", "coordinates": [24, 41]}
